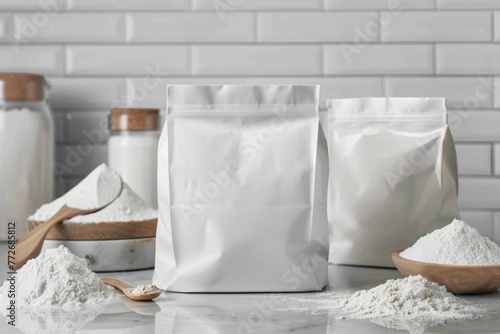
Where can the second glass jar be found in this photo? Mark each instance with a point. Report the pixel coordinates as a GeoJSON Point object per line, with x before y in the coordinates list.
{"type": "Point", "coordinates": [133, 149]}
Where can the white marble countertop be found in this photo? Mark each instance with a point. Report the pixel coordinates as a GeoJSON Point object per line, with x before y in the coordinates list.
{"type": "Point", "coordinates": [236, 313]}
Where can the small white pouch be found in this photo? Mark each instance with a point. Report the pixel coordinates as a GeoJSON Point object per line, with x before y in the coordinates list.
{"type": "Point", "coordinates": [393, 176]}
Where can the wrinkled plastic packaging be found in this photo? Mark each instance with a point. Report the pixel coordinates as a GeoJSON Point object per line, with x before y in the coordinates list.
{"type": "Point", "coordinates": [393, 176]}
{"type": "Point", "coordinates": [242, 186]}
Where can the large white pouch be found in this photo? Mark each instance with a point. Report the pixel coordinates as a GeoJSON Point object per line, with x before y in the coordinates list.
{"type": "Point", "coordinates": [241, 190]}
{"type": "Point", "coordinates": [393, 176]}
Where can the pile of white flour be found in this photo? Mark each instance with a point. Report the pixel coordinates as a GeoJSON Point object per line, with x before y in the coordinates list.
{"type": "Point", "coordinates": [57, 279]}
{"type": "Point", "coordinates": [457, 244]}
{"type": "Point", "coordinates": [412, 303]}
{"type": "Point", "coordinates": [409, 296]}
{"type": "Point", "coordinates": [98, 189]}
{"type": "Point", "coordinates": [127, 207]}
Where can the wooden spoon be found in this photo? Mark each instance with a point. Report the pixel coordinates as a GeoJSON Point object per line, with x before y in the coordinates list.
{"type": "Point", "coordinates": [127, 290]}
{"type": "Point", "coordinates": [30, 246]}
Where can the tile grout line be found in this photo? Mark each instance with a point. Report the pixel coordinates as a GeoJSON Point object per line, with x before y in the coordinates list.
{"type": "Point", "coordinates": [128, 21]}
{"type": "Point", "coordinates": [492, 26]}
{"type": "Point", "coordinates": [322, 61]}
{"type": "Point", "coordinates": [492, 157]}
{"type": "Point", "coordinates": [256, 28]}
{"type": "Point", "coordinates": [492, 18]}
{"type": "Point", "coordinates": [434, 59]}
{"type": "Point", "coordinates": [65, 61]}
{"type": "Point", "coordinates": [191, 61]}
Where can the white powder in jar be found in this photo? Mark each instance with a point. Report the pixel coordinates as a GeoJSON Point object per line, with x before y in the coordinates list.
{"type": "Point", "coordinates": [127, 207]}
{"type": "Point", "coordinates": [133, 154]}
{"type": "Point", "coordinates": [26, 155]}
{"type": "Point", "coordinates": [456, 244]}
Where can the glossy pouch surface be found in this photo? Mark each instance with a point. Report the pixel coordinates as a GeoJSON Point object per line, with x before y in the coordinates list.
{"type": "Point", "coordinates": [242, 195]}
{"type": "Point", "coordinates": [393, 176]}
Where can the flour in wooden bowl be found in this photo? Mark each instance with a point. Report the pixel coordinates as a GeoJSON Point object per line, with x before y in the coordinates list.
{"type": "Point", "coordinates": [127, 207]}
{"type": "Point", "coordinates": [455, 244]}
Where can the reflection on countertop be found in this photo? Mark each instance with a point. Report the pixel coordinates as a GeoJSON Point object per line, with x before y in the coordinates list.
{"type": "Point", "coordinates": [232, 313]}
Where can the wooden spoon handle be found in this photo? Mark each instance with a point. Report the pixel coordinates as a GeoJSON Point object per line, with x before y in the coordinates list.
{"type": "Point", "coordinates": [117, 284]}
{"type": "Point", "coordinates": [30, 246]}
{"type": "Point", "coordinates": [44, 228]}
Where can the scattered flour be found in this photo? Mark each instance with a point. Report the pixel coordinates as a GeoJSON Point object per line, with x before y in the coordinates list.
{"type": "Point", "coordinates": [57, 279]}
{"type": "Point", "coordinates": [457, 244]}
{"type": "Point", "coordinates": [145, 288]}
{"type": "Point", "coordinates": [127, 207]}
{"type": "Point", "coordinates": [412, 303]}
{"type": "Point", "coordinates": [409, 296]}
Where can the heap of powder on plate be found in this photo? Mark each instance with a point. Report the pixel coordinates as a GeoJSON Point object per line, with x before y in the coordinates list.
{"type": "Point", "coordinates": [145, 288]}
{"type": "Point", "coordinates": [57, 279]}
{"type": "Point", "coordinates": [456, 244]}
{"type": "Point", "coordinates": [127, 207]}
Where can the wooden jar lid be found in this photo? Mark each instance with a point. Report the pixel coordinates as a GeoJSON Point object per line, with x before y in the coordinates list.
{"type": "Point", "coordinates": [134, 119]}
{"type": "Point", "coordinates": [21, 86]}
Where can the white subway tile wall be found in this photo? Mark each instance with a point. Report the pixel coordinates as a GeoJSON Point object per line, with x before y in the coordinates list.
{"type": "Point", "coordinates": [5, 21]}
{"type": "Point", "coordinates": [437, 26]}
{"type": "Point", "coordinates": [256, 59]}
{"type": "Point", "coordinates": [312, 26]}
{"type": "Point", "coordinates": [379, 4]}
{"type": "Point", "coordinates": [100, 54]}
{"type": "Point", "coordinates": [379, 59]}
{"type": "Point", "coordinates": [468, 59]}
{"type": "Point", "coordinates": [40, 59]}
{"type": "Point", "coordinates": [123, 60]}
{"type": "Point", "coordinates": [185, 27]}
{"type": "Point", "coordinates": [69, 27]}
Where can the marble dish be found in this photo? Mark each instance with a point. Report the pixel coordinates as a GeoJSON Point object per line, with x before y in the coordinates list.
{"type": "Point", "coordinates": [111, 255]}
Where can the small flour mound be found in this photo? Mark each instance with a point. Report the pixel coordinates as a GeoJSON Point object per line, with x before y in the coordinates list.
{"type": "Point", "coordinates": [57, 279]}
{"type": "Point", "coordinates": [145, 288]}
{"type": "Point", "coordinates": [456, 244]}
{"type": "Point", "coordinates": [410, 296]}
{"type": "Point", "coordinates": [126, 208]}
{"type": "Point", "coordinates": [412, 303]}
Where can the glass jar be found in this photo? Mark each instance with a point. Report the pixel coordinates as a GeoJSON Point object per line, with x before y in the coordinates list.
{"type": "Point", "coordinates": [133, 150]}
{"type": "Point", "coordinates": [27, 144]}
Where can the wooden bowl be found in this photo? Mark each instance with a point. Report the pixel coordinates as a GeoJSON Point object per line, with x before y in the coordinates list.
{"type": "Point", "coordinates": [461, 280]}
{"type": "Point", "coordinates": [100, 231]}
